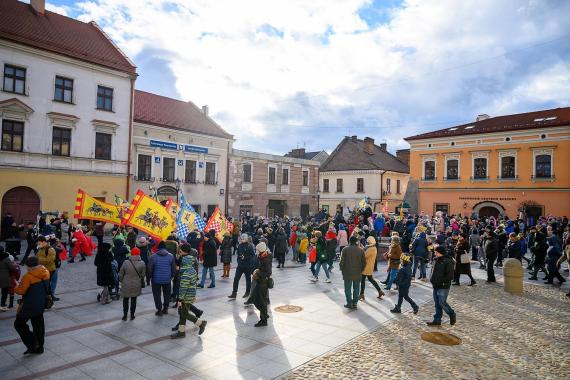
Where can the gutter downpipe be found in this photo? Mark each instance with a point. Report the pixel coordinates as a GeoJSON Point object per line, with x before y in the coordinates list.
{"type": "Point", "coordinates": [127, 195]}
{"type": "Point", "coordinates": [227, 181]}
{"type": "Point", "coordinates": [382, 186]}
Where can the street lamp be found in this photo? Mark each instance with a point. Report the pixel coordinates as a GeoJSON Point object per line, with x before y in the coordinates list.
{"type": "Point", "coordinates": [177, 182]}
{"type": "Point", "coordinates": [318, 200]}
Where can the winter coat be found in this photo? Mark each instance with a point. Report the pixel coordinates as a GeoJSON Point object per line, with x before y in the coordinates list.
{"type": "Point", "coordinates": [161, 267]}
{"type": "Point", "coordinates": [6, 268]}
{"type": "Point", "coordinates": [130, 275]}
{"type": "Point", "coordinates": [459, 267]}
{"type": "Point", "coordinates": [188, 279]}
{"type": "Point", "coordinates": [379, 225]}
{"type": "Point", "coordinates": [404, 279]}
{"type": "Point", "coordinates": [474, 240]}
{"type": "Point", "coordinates": [553, 254]}
{"type": "Point", "coordinates": [131, 239]}
{"type": "Point", "coordinates": [280, 245]}
{"type": "Point", "coordinates": [352, 263]}
{"type": "Point", "coordinates": [490, 246]}
{"type": "Point", "coordinates": [419, 247]}
{"type": "Point", "coordinates": [370, 256]}
{"type": "Point", "coordinates": [226, 250]}
{"type": "Point", "coordinates": [46, 257]}
{"type": "Point", "coordinates": [210, 256]}
{"type": "Point", "coordinates": [33, 289]}
{"type": "Point", "coordinates": [120, 251]}
{"type": "Point", "coordinates": [321, 246]}
{"type": "Point", "coordinates": [539, 249]}
{"type": "Point", "coordinates": [331, 248]}
{"type": "Point", "coordinates": [394, 255]}
{"type": "Point", "coordinates": [246, 256]}
{"type": "Point", "coordinates": [104, 263]}
{"type": "Point", "coordinates": [342, 238]}
{"type": "Point", "coordinates": [442, 272]}
{"type": "Point", "coordinates": [514, 249]}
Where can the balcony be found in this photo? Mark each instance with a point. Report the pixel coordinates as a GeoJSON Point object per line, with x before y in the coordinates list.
{"type": "Point", "coordinates": [451, 179]}
{"type": "Point", "coordinates": [508, 179]}
{"type": "Point", "coordinates": [543, 178]}
{"type": "Point", "coordinates": [479, 179]}
{"type": "Point", "coordinates": [143, 179]}
{"type": "Point", "coordinates": [190, 181]}
{"type": "Point", "coordinates": [210, 182]}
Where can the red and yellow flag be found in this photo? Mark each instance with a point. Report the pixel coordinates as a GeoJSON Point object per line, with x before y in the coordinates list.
{"type": "Point", "coordinates": [149, 216]}
{"type": "Point", "coordinates": [218, 223]}
{"type": "Point", "coordinates": [173, 208]}
{"type": "Point", "coordinates": [88, 207]}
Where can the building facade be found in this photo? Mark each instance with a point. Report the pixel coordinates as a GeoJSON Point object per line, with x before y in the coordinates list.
{"type": "Point", "coordinates": [503, 165]}
{"type": "Point", "coordinates": [270, 185]}
{"type": "Point", "coordinates": [65, 109]}
{"type": "Point", "coordinates": [357, 169]}
{"type": "Point", "coordinates": [178, 148]}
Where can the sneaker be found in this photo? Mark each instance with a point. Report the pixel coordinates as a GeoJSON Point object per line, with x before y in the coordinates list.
{"type": "Point", "coordinates": [202, 327]}
{"type": "Point", "coordinates": [200, 286]}
{"type": "Point", "coordinates": [314, 279]}
{"type": "Point", "coordinates": [212, 286]}
{"type": "Point", "coordinates": [395, 310]}
{"type": "Point", "coordinates": [158, 313]}
{"type": "Point", "coordinates": [248, 303]}
{"type": "Point", "coordinates": [328, 281]}
{"type": "Point", "coordinates": [178, 335]}
{"type": "Point", "coordinates": [175, 328]}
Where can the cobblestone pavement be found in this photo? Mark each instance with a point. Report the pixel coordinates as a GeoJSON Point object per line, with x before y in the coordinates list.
{"type": "Point", "coordinates": [504, 337]}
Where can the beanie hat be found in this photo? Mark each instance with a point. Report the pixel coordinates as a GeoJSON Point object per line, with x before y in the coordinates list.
{"type": "Point", "coordinates": [440, 249]}
{"type": "Point", "coordinates": [135, 252]}
{"type": "Point", "coordinates": [261, 247]}
{"type": "Point", "coordinates": [371, 240]}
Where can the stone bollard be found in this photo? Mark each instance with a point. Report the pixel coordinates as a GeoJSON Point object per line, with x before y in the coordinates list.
{"type": "Point", "coordinates": [513, 273]}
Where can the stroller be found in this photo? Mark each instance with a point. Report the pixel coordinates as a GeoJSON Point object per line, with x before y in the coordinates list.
{"type": "Point", "coordinates": [111, 292]}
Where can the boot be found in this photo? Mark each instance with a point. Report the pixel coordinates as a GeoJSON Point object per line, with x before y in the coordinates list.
{"type": "Point", "coordinates": [361, 298]}
{"type": "Point", "coordinates": [246, 295]}
{"type": "Point", "coordinates": [201, 325]}
{"type": "Point", "coordinates": [232, 296]}
{"type": "Point", "coordinates": [175, 328]}
{"type": "Point", "coordinates": [261, 323]}
{"type": "Point", "coordinates": [124, 317]}
{"type": "Point", "coordinates": [181, 333]}
{"type": "Point", "coordinates": [380, 294]}
{"type": "Point", "coordinates": [416, 309]}
{"type": "Point", "coordinates": [395, 310]}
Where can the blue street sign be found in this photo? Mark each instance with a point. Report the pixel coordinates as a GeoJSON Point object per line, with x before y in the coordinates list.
{"type": "Point", "coordinates": [163, 144]}
{"type": "Point", "coordinates": [157, 160]}
{"type": "Point", "coordinates": [195, 149]}
{"type": "Point", "coordinates": [180, 162]}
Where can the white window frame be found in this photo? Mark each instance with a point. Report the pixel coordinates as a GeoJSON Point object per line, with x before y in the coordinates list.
{"type": "Point", "coordinates": [206, 162]}
{"type": "Point", "coordinates": [162, 157]}
{"type": "Point", "coordinates": [275, 167]}
{"type": "Point", "coordinates": [186, 159]}
{"type": "Point", "coordinates": [507, 153]}
{"type": "Point", "coordinates": [427, 159]}
{"type": "Point", "coordinates": [453, 156]}
{"type": "Point", "coordinates": [539, 152]}
{"type": "Point", "coordinates": [475, 155]}
{"type": "Point", "coordinates": [145, 153]}
{"type": "Point", "coordinates": [308, 177]}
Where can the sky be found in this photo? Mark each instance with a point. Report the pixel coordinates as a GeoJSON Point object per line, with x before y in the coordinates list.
{"type": "Point", "coordinates": [282, 74]}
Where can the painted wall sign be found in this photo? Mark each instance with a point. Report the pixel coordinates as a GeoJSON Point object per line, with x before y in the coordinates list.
{"type": "Point", "coordinates": [200, 164]}
{"type": "Point", "coordinates": [163, 144]}
{"type": "Point", "coordinates": [180, 162]}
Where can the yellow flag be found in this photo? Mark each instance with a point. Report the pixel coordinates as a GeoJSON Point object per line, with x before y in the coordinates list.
{"type": "Point", "coordinates": [87, 207]}
{"type": "Point", "coordinates": [218, 223]}
{"type": "Point", "coordinates": [149, 216]}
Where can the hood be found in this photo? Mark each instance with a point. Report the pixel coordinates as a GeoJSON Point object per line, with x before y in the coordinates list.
{"type": "Point", "coordinates": [118, 243]}
{"type": "Point", "coordinates": [40, 272]}
{"type": "Point", "coordinates": [162, 252]}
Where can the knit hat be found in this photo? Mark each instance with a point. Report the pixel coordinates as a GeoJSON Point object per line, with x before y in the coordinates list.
{"type": "Point", "coordinates": [186, 248]}
{"type": "Point", "coordinates": [32, 262]}
{"type": "Point", "coordinates": [261, 247]}
{"type": "Point", "coordinates": [135, 252]}
{"type": "Point", "coordinates": [371, 240]}
{"type": "Point", "coordinates": [440, 249]}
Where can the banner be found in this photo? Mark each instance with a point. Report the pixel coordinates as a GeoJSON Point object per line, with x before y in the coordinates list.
{"type": "Point", "coordinates": [362, 204]}
{"type": "Point", "coordinates": [173, 208]}
{"type": "Point", "coordinates": [188, 220]}
{"type": "Point", "coordinates": [87, 207]}
{"type": "Point", "coordinates": [149, 216]}
{"type": "Point", "coordinates": [218, 223]}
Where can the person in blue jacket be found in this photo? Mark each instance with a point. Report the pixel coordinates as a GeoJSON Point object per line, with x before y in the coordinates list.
{"type": "Point", "coordinates": [161, 269]}
{"type": "Point", "coordinates": [403, 280]}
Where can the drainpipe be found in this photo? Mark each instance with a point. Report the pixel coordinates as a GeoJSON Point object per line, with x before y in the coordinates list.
{"type": "Point", "coordinates": [382, 185]}
{"type": "Point", "coordinates": [227, 180]}
{"type": "Point", "coordinates": [127, 195]}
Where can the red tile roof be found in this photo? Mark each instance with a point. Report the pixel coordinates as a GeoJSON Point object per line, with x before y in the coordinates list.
{"type": "Point", "coordinates": [20, 23]}
{"type": "Point", "coordinates": [520, 121]}
{"type": "Point", "coordinates": [171, 113]}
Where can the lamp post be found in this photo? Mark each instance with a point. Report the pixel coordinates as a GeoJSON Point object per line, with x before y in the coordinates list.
{"type": "Point", "coordinates": [318, 200]}
{"type": "Point", "coordinates": [177, 182]}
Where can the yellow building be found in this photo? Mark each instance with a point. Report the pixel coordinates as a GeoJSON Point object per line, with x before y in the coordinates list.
{"type": "Point", "coordinates": [65, 112]}
{"type": "Point", "coordinates": [504, 165]}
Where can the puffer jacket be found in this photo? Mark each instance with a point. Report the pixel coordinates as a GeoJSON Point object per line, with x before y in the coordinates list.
{"type": "Point", "coordinates": [419, 247]}
{"type": "Point", "coordinates": [161, 267]}
{"type": "Point", "coordinates": [226, 250]}
{"type": "Point", "coordinates": [370, 256]}
{"type": "Point", "coordinates": [33, 288]}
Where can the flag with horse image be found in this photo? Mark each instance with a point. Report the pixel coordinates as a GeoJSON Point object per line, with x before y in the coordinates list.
{"type": "Point", "coordinates": [218, 223]}
{"type": "Point", "coordinates": [88, 207]}
{"type": "Point", "coordinates": [149, 216]}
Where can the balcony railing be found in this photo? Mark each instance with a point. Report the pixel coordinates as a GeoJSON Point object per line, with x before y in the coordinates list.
{"type": "Point", "coordinates": [543, 177]}
{"type": "Point", "coordinates": [168, 180]}
{"type": "Point", "coordinates": [510, 178]}
{"type": "Point", "coordinates": [479, 178]}
{"type": "Point", "coordinates": [143, 179]}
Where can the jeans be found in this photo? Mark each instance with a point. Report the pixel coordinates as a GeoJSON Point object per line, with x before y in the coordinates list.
{"type": "Point", "coordinates": [441, 305]}
{"type": "Point", "coordinates": [351, 291]}
{"type": "Point", "coordinates": [391, 278]}
{"type": "Point", "coordinates": [418, 261]}
{"type": "Point", "coordinates": [204, 274]}
{"type": "Point", "coordinates": [330, 264]}
{"type": "Point", "coordinates": [318, 269]}
{"type": "Point", "coordinates": [156, 290]}
{"type": "Point", "coordinates": [313, 271]}
{"type": "Point", "coordinates": [237, 278]}
{"type": "Point", "coordinates": [405, 295]}
{"type": "Point", "coordinates": [31, 339]}
{"type": "Point", "coordinates": [53, 280]}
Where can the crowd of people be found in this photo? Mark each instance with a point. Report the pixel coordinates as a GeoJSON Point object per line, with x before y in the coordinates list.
{"type": "Point", "coordinates": [355, 244]}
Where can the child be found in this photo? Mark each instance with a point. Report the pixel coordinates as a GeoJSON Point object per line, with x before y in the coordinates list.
{"type": "Point", "coordinates": [403, 280]}
{"type": "Point", "coordinates": [303, 247]}
{"type": "Point", "coordinates": [313, 257]}
{"type": "Point", "coordinates": [293, 243]}
{"type": "Point", "coordinates": [14, 277]}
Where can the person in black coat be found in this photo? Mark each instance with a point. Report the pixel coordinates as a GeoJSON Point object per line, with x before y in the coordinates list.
{"type": "Point", "coordinates": [490, 245]}
{"type": "Point", "coordinates": [538, 249]}
{"type": "Point", "coordinates": [262, 277]}
{"type": "Point", "coordinates": [404, 280]}
{"type": "Point", "coordinates": [245, 265]}
{"type": "Point", "coordinates": [104, 263]}
{"type": "Point", "coordinates": [210, 250]}
{"type": "Point", "coordinates": [441, 276]}
{"type": "Point", "coordinates": [281, 246]}
{"type": "Point", "coordinates": [462, 248]}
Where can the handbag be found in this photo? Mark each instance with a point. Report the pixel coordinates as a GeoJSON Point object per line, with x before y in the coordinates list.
{"type": "Point", "coordinates": [464, 258]}
{"type": "Point", "coordinates": [143, 284]}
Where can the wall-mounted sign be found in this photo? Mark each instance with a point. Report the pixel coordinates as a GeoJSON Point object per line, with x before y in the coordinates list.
{"type": "Point", "coordinates": [157, 160]}
{"type": "Point", "coordinates": [200, 164]}
{"type": "Point", "coordinates": [180, 162]}
{"type": "Point", "coordinates": [174, 146]}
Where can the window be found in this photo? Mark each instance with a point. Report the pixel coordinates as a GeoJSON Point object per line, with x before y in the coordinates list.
{"type": "Point", "coordinates": [190, 172]}
{"type": "Point", "coordinates": [285, 177]}
{"type": "Point", "coordinates": [543, 165]}
{"type": "Point", "coordinates": [247, 173]}
{"type": "Point", "coordinates": [63, 89]}
{"type": "Point", "coordinates": [12, 135]}
{"type": "Point", "coordinates": [388, 185]}
{"type": "Point", "coordinates": [104, 98]}
{"type": "Point", "coordinates": [397, 186]}
{"type": "Point", "coordinates": [360, 185]}
{"type": "Point", "coordinates": [14, 79]}
{"type": "Point", "coordinates": [339, 185]}
{"type": "Point", "coordinates": [452, 169]}
{"type": "Point", "coordinates": [480, 168]}
{"type": "Point", "coordinates": [102, 146]}
{"type": "Point", "coordinates": [443, 207]}
{"type": "Point", "coordinates": [210, 173]}
{"type": "Point", "coordinates": [325, 185]}
{"type": "Point", "coordinates": [429, 170]}
{"type": "Point", "coordinates": [144, 167]}
{"type": "Point", "coordinates": [508, 167]}
{"type": "Point", "coordinates": [60, 141]}
{"type": "Point", "coordinates": [305, 178]}
{"type": "Point", "coordinates": [197, 208]}
{"type": "Point", "coordinates": [271, 176]}
{"type": "Point", "coordinates": [168, 167]}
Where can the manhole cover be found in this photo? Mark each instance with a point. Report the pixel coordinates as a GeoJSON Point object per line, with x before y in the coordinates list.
{"type": "Point", "coordinates": [440, 338]}
{"type": "Point", "coordinates": [288, 309]}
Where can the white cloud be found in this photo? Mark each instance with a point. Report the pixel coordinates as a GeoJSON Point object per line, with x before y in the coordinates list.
{"type": "Point", "coordinates": [62, 10]}
{"type": "Point", "coordinates": [408, 74]}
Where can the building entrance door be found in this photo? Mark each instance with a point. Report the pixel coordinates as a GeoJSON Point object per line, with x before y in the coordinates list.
{"type": "Point", "coordinates": [488, 211]}
{"type": "Point", "coordinates": [276, 208]}
{"type": "Point", "coordinates": [23, 203]}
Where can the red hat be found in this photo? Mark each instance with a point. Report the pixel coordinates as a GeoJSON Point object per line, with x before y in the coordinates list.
{"type": "Point", "coordinates": [135, 252]}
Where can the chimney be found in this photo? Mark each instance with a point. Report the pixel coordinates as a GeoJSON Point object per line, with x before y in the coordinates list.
{"type": "Point", "coordinates": [483, 116]}
{"type": "Point", "coordinates": [404, 156]}
{"type": "Point", "coordinates": [369, 145]}
{"type": "Point", "coordinates": [205, 110]}
{"type": "Point", "coordinates": [383, 146]}
{"type": "Point", "coordinates": [353, 138]}
{"type": "Point", "coordinates": [297, 153]}
{"type": "Point", "coordinates": [38, 5]}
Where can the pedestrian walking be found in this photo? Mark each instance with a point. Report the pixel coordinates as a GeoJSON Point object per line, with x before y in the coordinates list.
{"type": "Point", "coordinates": [539, 249]}
{"type": "Point", "coordinates": [7, 270]}
{"type": "Point", "coordinates": [419, 251]}
{"type": "Point", "coordinates": [245, 266]}
{"type": "Point", "coordinates": [394, 254]}
{"type": "Point", "coordinates": [281, 247]}
{"type": "Point", "coordinates": [132, 278]}
{"type": "Point", "coordinates": [462, 262]}
{"type": "Point", "coordinates": [370, 256]}
{"type": "Point", "coordinates": [490, 245]}
{"type": "Point", "coordinates": [404, 280]}
{"type": "Point", "coordinates": [226, 254]}
{"type": "Point", "coordinates": [210, 259]}
{"type": "Point", "coordinates": [441, 276]}
{"type": "Point", "coordinates": [105, 277]}
{"type": "Point", "coordinates": [262, 278]}
{"type": "Point", "coordinates": [161, 269]}
{"type": "Point", "coordinates": [47, 257]}
{"type": "Point", "coordinates": [553, 254]}
{"type": "Point", "coordinates": [34, 289]}
{"type": "Point", "coordinates": [352, 263]}
{"type": "Point", "coordinates": [322, 257]}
